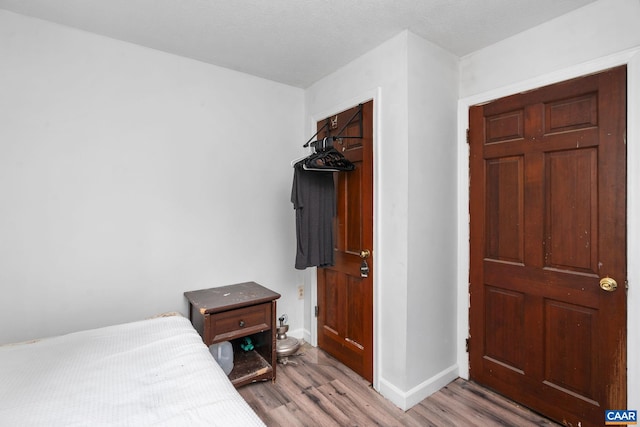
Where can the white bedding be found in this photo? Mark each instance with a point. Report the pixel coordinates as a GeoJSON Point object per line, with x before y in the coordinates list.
{"type": "Point", "coordinates": [151, 372]}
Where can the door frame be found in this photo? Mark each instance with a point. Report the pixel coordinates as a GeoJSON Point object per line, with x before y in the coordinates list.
{"type": "Point", "coordinates": [311, 277]}
{"type": "Point", "coordinates": [630, 58]}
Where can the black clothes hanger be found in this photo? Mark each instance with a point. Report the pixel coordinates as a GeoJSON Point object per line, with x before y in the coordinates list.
{"type": "Point", "coordinates": [325, 158]}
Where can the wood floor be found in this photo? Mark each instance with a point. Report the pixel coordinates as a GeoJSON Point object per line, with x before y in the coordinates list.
{"type": "Point", "coordinates": [313, 389]}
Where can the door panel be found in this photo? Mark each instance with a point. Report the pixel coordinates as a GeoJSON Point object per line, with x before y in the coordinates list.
{"type": "Point", "coordinates": [505, 319]}
{"type": "Point", "coordinates": [505, 239]}
{"type": "Point", "coordinates": [570, 338]}
{"type": "Point", "coordinates": [548, 221]}
{"type": "Point", "coordinates": [571, 214]}
{"type": "Point", "coordinates": [345, 299]}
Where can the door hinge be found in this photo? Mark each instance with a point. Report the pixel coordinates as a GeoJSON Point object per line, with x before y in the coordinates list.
{"type": "Point", "coordinates": [467, 345]}
{"type": "Point", "coordinates": [316, 310]}
{"type": "Point", "coordinates": [468, 136]}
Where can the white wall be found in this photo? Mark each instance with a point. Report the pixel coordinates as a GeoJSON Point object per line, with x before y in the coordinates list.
{"type": "Point", "coordinates": [129, 176]}
{"type": "Point", "coordinates": [431, 284]}
{"type": "Point", "coordinates": [414, 86]}
{"type": "Point", "coordinates": [590, 32]}
{"type": "Point", "coordinates": [599, 36]}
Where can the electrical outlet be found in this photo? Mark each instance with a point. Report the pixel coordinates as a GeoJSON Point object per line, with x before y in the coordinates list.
{"type": "Point", "coordinates": [300, 292]}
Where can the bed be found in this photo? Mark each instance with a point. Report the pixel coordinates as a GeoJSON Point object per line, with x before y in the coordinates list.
{"type": "Point", "coordinates": [151, 372]}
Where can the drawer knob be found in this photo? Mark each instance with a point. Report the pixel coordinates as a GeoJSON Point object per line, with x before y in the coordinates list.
{"type": "Point", "coordinates": [241, 323]}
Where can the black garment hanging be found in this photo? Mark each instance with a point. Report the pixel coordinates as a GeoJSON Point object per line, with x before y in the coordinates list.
{"type": "Point", "coordinates": [314, 199]}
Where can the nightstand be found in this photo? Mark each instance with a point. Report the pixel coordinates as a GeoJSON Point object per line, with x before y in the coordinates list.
{"type": "Point", "coordinates": [231, 313]}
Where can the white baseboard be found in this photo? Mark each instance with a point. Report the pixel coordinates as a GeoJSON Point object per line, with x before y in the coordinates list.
{"type": "Point", "coordinates": [299, 334]}
{"type": "Point", "coordinates": [406, 400]}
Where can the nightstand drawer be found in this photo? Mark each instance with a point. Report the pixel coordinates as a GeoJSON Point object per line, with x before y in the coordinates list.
{"type": "Point", "coordinates": [240, 322]}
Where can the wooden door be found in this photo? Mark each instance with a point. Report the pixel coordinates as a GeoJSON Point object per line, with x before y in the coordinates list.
{"type": "Point", "coordinates": [345, 299]}
{"type": "Point", "coordinates": [548, 222]}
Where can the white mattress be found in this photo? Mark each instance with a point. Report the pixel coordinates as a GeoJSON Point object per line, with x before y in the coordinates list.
{"type": "Point", "coordinates": [152, 372]}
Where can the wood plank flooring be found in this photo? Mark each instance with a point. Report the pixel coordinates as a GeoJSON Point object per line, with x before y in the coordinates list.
{"type": "Point", "coordinates": [314, 389]}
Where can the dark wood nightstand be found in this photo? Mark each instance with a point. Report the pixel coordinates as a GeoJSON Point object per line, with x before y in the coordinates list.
{"type": "Point", "coordinates": [231, 313]}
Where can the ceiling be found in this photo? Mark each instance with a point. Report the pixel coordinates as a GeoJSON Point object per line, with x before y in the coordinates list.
{"type": "Point", "coordinates": [295, 42]}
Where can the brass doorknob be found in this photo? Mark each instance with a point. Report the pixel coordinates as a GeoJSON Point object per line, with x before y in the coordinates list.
{"type": "Point", "coordinates": [365, 253]}
{"type": "Point", "coordinates": [608, 284]}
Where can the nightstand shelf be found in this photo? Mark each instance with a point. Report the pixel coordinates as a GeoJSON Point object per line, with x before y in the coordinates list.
{"type": "Point", "coordinates": [250, 366]}
{"type": "Point", "coordinates": [231, 313]}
